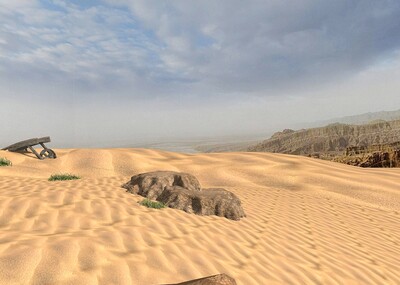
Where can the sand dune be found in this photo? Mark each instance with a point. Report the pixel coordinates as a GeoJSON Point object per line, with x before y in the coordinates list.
{"type": "Point", "coordinates": [308, 221]}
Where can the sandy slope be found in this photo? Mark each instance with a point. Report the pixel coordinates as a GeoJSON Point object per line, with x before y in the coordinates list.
{"type": "Point", "coordinates": [308, 221]}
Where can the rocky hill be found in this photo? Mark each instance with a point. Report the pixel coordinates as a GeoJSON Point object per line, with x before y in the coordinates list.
{"type": "Point", "coordinates": [367, 118]}
{"type": "Point", "coordinates": [330, 140]}
{"type": "Point", "coordinates": [246, 144]}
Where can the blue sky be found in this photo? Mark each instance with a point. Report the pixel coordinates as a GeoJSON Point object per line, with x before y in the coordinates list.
{"type": "Point", "coordinates": [123, 70]}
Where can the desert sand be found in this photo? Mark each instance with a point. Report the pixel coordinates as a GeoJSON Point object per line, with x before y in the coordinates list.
{"type": "Point", "coordinates": [308, 221]}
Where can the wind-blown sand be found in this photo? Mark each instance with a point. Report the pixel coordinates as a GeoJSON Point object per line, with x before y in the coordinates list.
{"type": "Point", "coordinates": [308, 221]}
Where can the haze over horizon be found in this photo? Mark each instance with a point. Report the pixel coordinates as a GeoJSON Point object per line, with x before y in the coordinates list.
{"type": "Point", "coordinates": [112, 71]}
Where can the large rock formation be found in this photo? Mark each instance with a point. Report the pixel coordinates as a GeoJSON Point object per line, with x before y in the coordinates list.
{"type": "Point", "coordinates": [220, 279]}
{"type": "Point", "coordinates": [332, 139]}
{"type": "Point", "coordinates": [182, 191]}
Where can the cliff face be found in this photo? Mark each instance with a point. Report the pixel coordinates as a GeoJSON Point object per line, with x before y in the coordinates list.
{"type": "Point", "coordinates": [332, 139]}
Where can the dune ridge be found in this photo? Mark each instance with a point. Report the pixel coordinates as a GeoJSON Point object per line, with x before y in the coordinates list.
{"type": "Point", "coordinates": [308, 221]}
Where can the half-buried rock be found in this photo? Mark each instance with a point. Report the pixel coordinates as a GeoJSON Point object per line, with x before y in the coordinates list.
{"type": "Point", "coordinates": [182, 191]}
{"type": "Point", "coordinates": [220, 279]}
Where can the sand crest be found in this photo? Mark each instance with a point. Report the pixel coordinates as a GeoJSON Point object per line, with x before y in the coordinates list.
{"type": "Point", "coordinates": [308, 221]}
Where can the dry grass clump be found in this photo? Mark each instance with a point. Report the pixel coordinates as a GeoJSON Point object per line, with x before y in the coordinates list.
{"type": "Point", "coordinates": [63, 176]}
{"type": "Point", "coordinates": [5, 162]}
{"type": "Point", "coordinates": [152, 204]}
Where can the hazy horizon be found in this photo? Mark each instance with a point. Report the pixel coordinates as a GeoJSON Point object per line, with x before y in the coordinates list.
{"type": "Point", "coordinates": [116, 72]}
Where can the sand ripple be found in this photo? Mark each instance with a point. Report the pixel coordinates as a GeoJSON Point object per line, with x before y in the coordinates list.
{"type": "Point", "coordinates": [308, 221]}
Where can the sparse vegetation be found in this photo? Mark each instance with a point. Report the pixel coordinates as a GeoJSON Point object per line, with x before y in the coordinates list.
{"type": "Point", "coordinates": [63, 176]}
{"type": "Point", "coordinates": [5, 162]}
{"type": "Point", "coordinates": [152, 204]}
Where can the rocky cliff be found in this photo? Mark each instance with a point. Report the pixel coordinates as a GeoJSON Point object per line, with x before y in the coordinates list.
{"type": "Point", "coordinates": [330, 140]}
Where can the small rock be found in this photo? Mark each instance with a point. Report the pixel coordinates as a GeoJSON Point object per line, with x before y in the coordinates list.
{"type": "Point", "coordinates": [152, 184]}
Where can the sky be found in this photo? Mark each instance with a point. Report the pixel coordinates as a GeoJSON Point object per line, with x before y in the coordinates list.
{"type": "Point", "coordinates": [110, 72]}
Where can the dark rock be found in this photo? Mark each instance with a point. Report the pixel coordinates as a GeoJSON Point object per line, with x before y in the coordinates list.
{"type": "Point", "coordinates": [220, 279]}
{"type": "Point", "coordinates": [152, 184]}
{"type": "Point", "coordinates": [182, 191]}
{"type": "Point", "coordinates": [376, 159]}
{"type": "Point", "coordinates": [372, 156]}
{"type": "Point", "coordinates": [214, 201]}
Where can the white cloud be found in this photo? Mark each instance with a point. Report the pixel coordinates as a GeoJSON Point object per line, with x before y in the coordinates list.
{"type": "Point", "coordinates": [96, 45]}
{"type": "Point", "coordinates": [7, 5]}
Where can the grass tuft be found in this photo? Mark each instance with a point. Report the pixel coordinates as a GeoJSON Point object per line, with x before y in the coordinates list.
{"type": "Point", "coordinates": [5, 162]}
{"type": "Point", "coordinates": [152, 204]}
{"type": "Point", "coordinates": [63, 176]}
